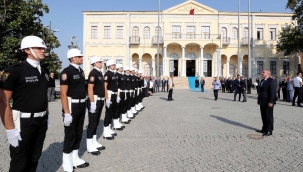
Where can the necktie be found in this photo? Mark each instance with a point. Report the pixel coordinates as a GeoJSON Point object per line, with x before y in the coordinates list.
{"type": "Point", "coordinates": [39, 68]}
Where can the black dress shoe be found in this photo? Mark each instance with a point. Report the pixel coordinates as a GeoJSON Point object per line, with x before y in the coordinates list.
{"type": "Point", "coordinates": [244, 101]}
{"type": "Point", "coordinates": [300, 105]}
{"type": "Point", "coordinates": [109, 138]}
{"type": "Point", "coordinates": [101, 148]}
{"type": "Point", "coordinates": [123, 127]}
{"type": "Point", "coordinates": [267, 133]}
{"type": "Point", "coordinates": [118, 129]}
{"type": "Point", "coordinates": [86, 164]}
{"type": "Point", "coordinates": [143, 107]}
{"type": "Point", "coordinates": [260, 131]}
{"type": "Point", "coordinates": [127, 122]}
{"type": "Point", "coordinates": [293, 105]}
{"type": "Point", "coordinates": [95, 153]}
{"type": "Point", "coordinates": [114, 134]}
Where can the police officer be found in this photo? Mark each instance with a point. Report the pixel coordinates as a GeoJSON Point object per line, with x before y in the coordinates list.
{"type": "Point", "coordinates": [73, 99]}
{"type": "Point", "coordinates": [138, 89]}
{"type": "Point", "coordinates": [26, 122]}
{"type": "Point", "coordinates": [122, 94]}
{"type": "Point", "coordinates": [141, 85]}
{"type": "Point", "coordinates": [125, 106]}
{"type": "Point", "coordinates": [129, 94]}
{"type": "Point", "coordinates": [133, 86]}
{"type": "Point", "coordinates": [95, 104]}
{"type": "Point", "coordinates": [111, 88]}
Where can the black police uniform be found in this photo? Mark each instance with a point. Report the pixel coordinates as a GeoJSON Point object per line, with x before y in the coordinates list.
{"type": "Point", "coordinates": [95, 77]}
{"type": "Point", "coordinates": [133, 87]}
{"type": "Point", "coordinates": [128, 93]}
{"type": "Point", "coordinates": [111, 80]}
{"type": "Point", "coordinates": [141, 85]}
{"type": "Point", "coordinates": [74, 79]}
{"type": "Point", "coordinates": [137, 80]}
{"type": "Point", "coordinates": [120, 108]}
{"type": "Point", "coordinates": [29, 89]}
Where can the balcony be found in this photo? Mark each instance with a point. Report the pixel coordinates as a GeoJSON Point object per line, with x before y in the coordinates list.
{"type": "Point", "coordinates": [134, 40]}
{"type": "Point", "coordinates": [192, 36]}
{"type": "Point", "coordinates": [244, 41]}
{"type": "Point", "coordinates": [176, 35]}
{"type": "Point", "coordinates": [155, 40]}
{"type": "Point", "coordinates": [225, 40]}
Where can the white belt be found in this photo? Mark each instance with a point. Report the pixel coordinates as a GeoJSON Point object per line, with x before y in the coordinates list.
{"type": "Point", "coordinates": [142, 87]}
{"type": "Point", "coordinates": [131, 91]}
{"type": "Point", "coordinates": [100, 98]}
{"type": "Point", "coordinates": [125, 91]}
{"type": "Point", "coordinates": [136, 88]}
{"type": "Point", "coordinates": [78, 100]}
{"type": "Point", "coordinates": [28, 115]}
{"type": "Point", "coordinates": [114, 92]}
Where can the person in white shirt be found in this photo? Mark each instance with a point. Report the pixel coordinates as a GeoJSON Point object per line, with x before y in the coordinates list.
{"type": "Point", "coordinates": [216, 85]}
{"type": "Point", "coordinates": [297, 81]}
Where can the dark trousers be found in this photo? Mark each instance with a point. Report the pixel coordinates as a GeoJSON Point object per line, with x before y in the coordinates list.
{"type": "Point", "coordinates": [163, 88]}
{"type": "Point", "coordinates": [298, 92]}
{"type": "Point", "coordinates": [120, 106]}
{"type": "Point", "coordinates": [110, 112]}
{"type": "Point", "coordinates": [157, 88]}
{"type": "Point", "coordinates": [248, 89]}
{"type": "Point", "coordinates": [94, 119]}
{"type": "Point", "coordinates": [257, 87]}
{"type": "Point", "coordinates": [284, 94]}
{"type": "Point", "coordinates": [170, 94]}
{"type": "Point", "coordinates": [144, 92]}
{"type": "Point", "coordinates": [235, 95]}
{"type": "Point", "coordinates": [223, 88]}
{"type": "Point", "coordinates": [216, 94]}
{"type": "Point", "coordinates": [25, 157]}
{"type": "Point", "coordinates": [130, 100]}
{"type": "Point", "coordinates": [126, 104]}
{"type": "Point", "coordinates": [134, 102]}
{"type": "Point", "coordinates": [202, 88]}
{"type": "Point", "coordinates": [267, 118]}
{"type": "Point", "coordinates": [278, 92]}
{"type": "Point", "coordinates": [73, 133]}
{"type": "Point", "coordinates": [244, 94]}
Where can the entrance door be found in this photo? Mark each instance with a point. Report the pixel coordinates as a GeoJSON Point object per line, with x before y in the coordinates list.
{"type": "Point", "coordinates": [175, 68]}
{"type": "Point", "coordinates": [207, 68]}
{"type": "Point", "coordinates": [190, 68]}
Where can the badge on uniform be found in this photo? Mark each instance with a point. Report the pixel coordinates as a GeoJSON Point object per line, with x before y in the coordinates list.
{"type": "Point", "coordinates": [64, 77]}
{"type": "Point", "coordinates": [92, 79]}
{"type": "Point", "coordinates": [4, 76]}
{"type": "Point", "coordinates": [46, 76]}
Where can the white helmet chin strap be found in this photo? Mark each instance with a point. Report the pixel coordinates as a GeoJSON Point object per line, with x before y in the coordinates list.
{"type": "Point", "coordinates": [30, 48]}
{"type": "Point", "coordinates": [97, 65]}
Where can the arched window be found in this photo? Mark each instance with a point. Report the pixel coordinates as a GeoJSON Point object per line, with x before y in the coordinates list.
{"type": "Point", "coordinates": [245, 33]}
{"type": "Point", "coordinates": [135, 31]}
{"type": "Point", "coordinates": [234, 33]}
{"type": "Point", "coordinates": [232, 70]}
{"type": "Point", "coordinates": [147, 70]}
{"type": "Point", "coordinates": [244, 70]}
{"type": "Point", "coordinates": [146, 32]}
{"type": "Point", "coordinates": [224, 34]}
{"type": "Point", "coordinates": [160, 31]}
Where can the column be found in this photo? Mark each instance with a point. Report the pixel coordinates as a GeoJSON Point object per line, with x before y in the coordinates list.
{"type": "Point", "coordinates": [201, 73]}
{"type": "Point", "coordinates": [164, 61]}
{"type": "Point", "coordinates": [183, 62]}
{"type": "Point", "coordinates": [240, 66]}
{"type": "Point", "coordinates": [227, 68]}
{"type": "Point", "coordinates": [219, 62]}
{"type": "Point", "coordinates": [140, 63]}
{"type": "Point", "coordinates": [153, 67]}
{"type": "Point", "coordinates": [216, 70]}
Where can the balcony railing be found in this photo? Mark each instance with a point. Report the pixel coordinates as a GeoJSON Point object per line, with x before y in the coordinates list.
{"type": "Point", "coordinates": [155, 40]}
{"type": "Point", "coordinates": [175, 35]}
{"type": "Point", "coordinates": [134, 40]}
{"type": "Point", "coordinates": [225, 40]}
{"type": "Point", "coordinates": [204, 36]}
{"type": "Point", "coordinates": [245, 40]}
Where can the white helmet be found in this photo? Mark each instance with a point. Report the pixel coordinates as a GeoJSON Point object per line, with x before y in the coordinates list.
{"type": "Point", "coordinates": [140, 72]}
{"type": "Point", "coordinates": [32, 41]}
{"type": "Point", "coordinates": [126, 68]}
{"type": "Point", "coordinates": [110, 62]}
{"type": "Point", "coordinates": [95, 59]}
{"type": "Point", "coordinates": [131, 68]}
{"type": "Point", "coordinates": [118, 66]}
{"type": "Point", "coordinates": [74, 53]}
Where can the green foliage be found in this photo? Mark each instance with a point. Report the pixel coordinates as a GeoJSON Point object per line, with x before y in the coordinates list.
{"type": "Point", "coordinates": [19, 18]}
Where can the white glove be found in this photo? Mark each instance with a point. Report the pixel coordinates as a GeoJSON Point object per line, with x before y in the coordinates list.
{"type": "Point", "coordinates": [13, 137]}
{"type": "Point", "coordinates": [138, 92]}
{"type": "Point", "coordinates": [93, 107]}
{"type": "Point", "coordinates": [108, 102]}
{"type": "Point", "coordinates": [86, 112]}
{"type": "Point", "coordinates": [118, 99]}
{"type": "Point", "coordinates": [68, 119]}
{"type": "Point", "coordinates": [125, 97]}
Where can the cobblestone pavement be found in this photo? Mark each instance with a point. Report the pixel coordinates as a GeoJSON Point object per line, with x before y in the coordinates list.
{"type": "Point", "coordinates": [191, 133]}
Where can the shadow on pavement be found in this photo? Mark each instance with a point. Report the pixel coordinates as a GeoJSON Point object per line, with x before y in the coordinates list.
{"type": "Point", "coordinates": [214, 98]}
{"type": "Point", "coordinates": [233, 122]}
{"type": "Point", "coordinates": [163, 98]}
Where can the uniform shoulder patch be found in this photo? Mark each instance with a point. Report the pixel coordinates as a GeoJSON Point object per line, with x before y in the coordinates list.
{"type": "Point", "coordinates": [92, 79]}
{"type": "Point", "coordinates": [64, 77]}
{"type": "Point", "coordinates": [4, 76]}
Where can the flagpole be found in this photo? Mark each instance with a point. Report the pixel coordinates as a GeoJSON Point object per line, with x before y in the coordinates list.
{"type": "Point", "coordinates": [249, 32]}
{"type": "Point", "coordinates": [239, 67]}
{"type": "Point", "coordinates": [158, 46]}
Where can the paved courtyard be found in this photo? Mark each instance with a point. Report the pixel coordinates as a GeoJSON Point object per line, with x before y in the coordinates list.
{"type": "Point", "coordinates": [191, 133]}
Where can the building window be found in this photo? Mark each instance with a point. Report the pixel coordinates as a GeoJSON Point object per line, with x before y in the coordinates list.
{"type": "Point", "coordinates": [260, 33]}
{"type": "Point", "coordinates": [244, 70]}
{"type": "Point", "coordinates": [106, 32]}
{"type": "Point", "coordinates": [286, 67]}
{"type": "Point", "coordinates": [272, 33]}
{"type": "Point", "coordinates": [273, 67]}
{"type": "Point", "coordinates": [135, 31]}
{"type": "Point", "coordinates": [231, 70]}
{"type": "Point", "coordinates": [259, 67]}
{"type": "Point", "coordinates": [224, 34]}
{"type": "Point", "coordinates": [160, 31]}
{"type": "Point", "coordinates": [205, 32]}
{"type": "Point", "coordinates": [176, 32]}
{"type": "Point", "coordinates": [146, 32]}
{"type": "Point", "coordinates": [94, 31]}
{"type": "Point", "coordinates": [234, 33]}
{"type": "Point", "coordinates": [119, 61]}
{"type": "Point", "coordinates": [119, 32]}
{"type": "Point", "coordinates": [245, 33]}
{"type": "Point", "coordinates": [147, 70]}
{"type": "Point", "coordinates": [191, 32]}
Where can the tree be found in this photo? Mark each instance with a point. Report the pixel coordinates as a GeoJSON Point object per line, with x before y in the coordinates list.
{"type": "Point", "coordinates": [19, 18]}
{"type": "Point", "coordinates": [291, 37]}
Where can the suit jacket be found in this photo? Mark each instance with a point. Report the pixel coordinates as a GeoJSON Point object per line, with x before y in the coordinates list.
{"type": "Point", "coordinates": [267, 91]}
{"type": "Point", "coordinates": [202, 82]}
{"type": "Point", "coordinates": [243, 85]}
{"type": "Point", "coordinates": [249, 81]}
{"type": "Point", "coordinates": [236, 85]}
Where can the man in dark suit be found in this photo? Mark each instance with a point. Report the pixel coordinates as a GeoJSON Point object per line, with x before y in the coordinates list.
{"type": "Point", "coordinates": [202, 83]}
{"type": "Point", "coordinates": [243, 88]}
{"type": "Point", "coordinates": [266, 99]}
{"type": "Point", "coordinates": [249, 84]}
{"type": "Point", "coordinates": [237, 87]}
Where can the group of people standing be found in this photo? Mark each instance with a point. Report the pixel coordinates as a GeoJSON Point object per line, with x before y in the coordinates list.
{"type": "Point", "coordinates": [121, 89]}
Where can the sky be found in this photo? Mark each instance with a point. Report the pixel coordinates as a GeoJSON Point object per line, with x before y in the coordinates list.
{"type": "Point", "coordinates": [66, 15]}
